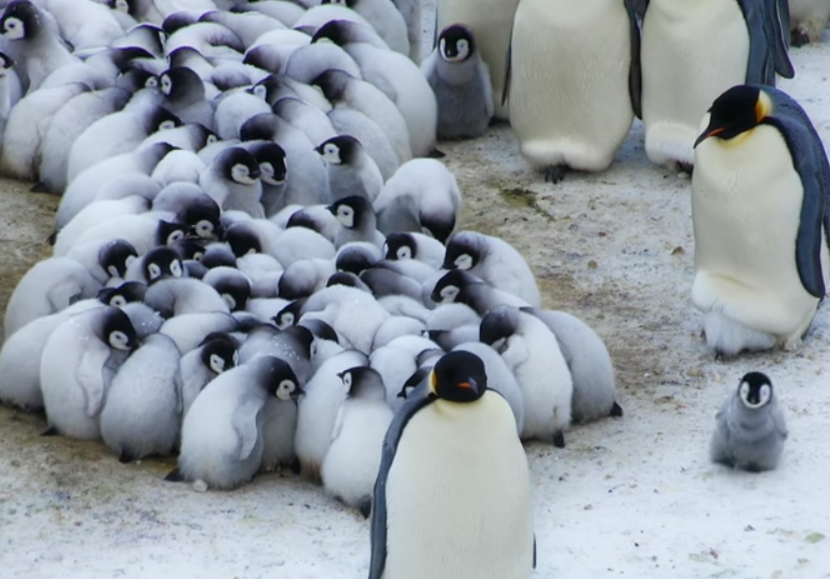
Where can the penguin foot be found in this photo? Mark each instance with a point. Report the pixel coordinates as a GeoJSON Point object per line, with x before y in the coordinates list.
{"type": "Point", "coordinates": [174, 476]}
{"type": "Point", "coordinates": [559, 440]}
{"type": "Point", "coordinates": [125, 457]}
{"type": "Point", "coordinates": [436, 154]}
{"type": "Point", "coordinates": [799, 38]}
{"type": "Point", "coordinates": [555, 173]}
{"type": "Point", "coordinates": [51, 431]}
{"type": "Point", "coordinates": [365, 506]}
{"type": "Point", "coordinates": [40, 187]}
{"type": "Point", "coordinates": [616, 410]}
{"type": "Point", "coordinates": [295, 466]}
{"type": "Point", "coordinates": [687, 168]}
{"type": "Point", "coordinates": [53, 237]}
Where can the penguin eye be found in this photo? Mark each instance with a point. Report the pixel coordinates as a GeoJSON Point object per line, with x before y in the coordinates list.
{"type": "Point", "coordinates": [285, 389]}
{"type": "Point", "coordinates": [211, 139]}
{"type": "Point", "coordinates": [463, 49]}
{"type": "Point", "coordinates": [347, 379]}
{"type": "Point", "coordinates": [174, 237]}
{"type": "Point", "coordinates": [176, 268]}
{"type": "Point", "coordinates": [313, 348]}
{"type": "Point", "coordinates": [464, 262]}
{"type": "Point", "coordinates": [118, 301]}
{"type": "Point", "coordinates": [331, 154]}
{"type": "Point", "coordinates": [217, 364]}
{"type": "Point", "coordinates": [404, 253]}
{"type": "Point", "coordinates": [764, 395]}
{"type": "Point", "coordinates": [151, 82]}
{"type": "Point", "coordinates": [13, 29]}
{"type": "Point", "coordinates": [204, 228]}
{"type": "Point", "coordinates": [119, 340]}
{"type": "Point", "coordinates": [167, 125]}
{"type": "Point", "coordinates": [154, 270]}
{"type": "Point", "coordinates": [166, 85]}
{"type": "Point", "coordinates": [345, 215]}
{"type": "Point", "coordinates": [230, 301]}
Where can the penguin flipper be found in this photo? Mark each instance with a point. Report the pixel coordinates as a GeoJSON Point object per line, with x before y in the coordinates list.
{"type": "Point", "coordinates": [780, 17]}
{"type": "Point", "coordinates": [244, 423]}
{"type": "Point", "coordinates": [636, 11]}
{"type": "Point", "coordinates": [390, 446]}
{"type": "Point", "coordinates": [616, 410]}
{"type": "Point", "coordinates": [90, 376]}
{"type": "Point", "coordinates": [767, 45]}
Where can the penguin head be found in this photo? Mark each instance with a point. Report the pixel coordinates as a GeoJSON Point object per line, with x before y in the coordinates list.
{"type": "Point", "coordinates": [417, 378]}
{"type": "Point", "coordinates": [307, 217]}
{"type": "Point", "coordinates": [189, 249]}
{"type": "Point", "coordinates": [261, 127]}
{"type": "Point", "coordinates": [363, 383]}
{"type": "Point", "coordinates": [219, 352]}
{"type": "Point", "coordinates": [755, 390]}
{"type": "Point", "coordinates": [127, 292]}
{"type": "Point", "coordinates": [181, 84]}
{"type": "Point", "coordinates": [498, 325]}
{"type": "Point", "coordinates": [340, 150]}
{"type": "Point", "coordinates": [289, 315]}
{"type": "Point", "coordinates": [271, 159]}
{"type": "Point", "coordinates": [117, 330]}
{"type": "Point", "coordinates": [278, 377]}
{"type": "Point", "coordinates": [401, 245]}
{"type": "Point", "coordinates": [6, 63]}
{"type": "Point", "coordinates": [202, 216]}
{"type": "Point", "coordinates": [302, 339]}
{"type": "Point", "coordinates": [347, 3]}
{"type": "Point", "coordinates": [346, 278]}
{"type": "Point", "coordinates": [168, 233]}
{"type": "Point", "coordinates": [238, 165]}
{"type": "Point", "coordinates": [456, 43]}
{"type": "Point", "coordinates": [121, 6]}
{"type": "Point", "coordinates": [351, 211]}
{"type": "Point", "coordinates": [242, 238]}
{"type": "Point", "coordinates": [333, 83]}
{"type": "Point", "coordinates": [354, 258]}
{"type": "Point", "coordinates": [233, 285]}
{"type": "Point", "coordinates": [320, 329]}
{"type": "Point", "coordinates": [161, 262]}
{"type": "Point", "coordinates": [337, 31]}
{"type": "Point", "coordinates": [163, 120]}
{"type": "Point", "coordinates": [464, 251]}
{"type": "Point", "coordinates": [458, 377]}
{"type": "Point", "coordinates": [218, 255]}
{"type": "Point", "coordinates": [298, 280]}
{"type": "Point", "coordinates": [452, 287]}
{"type": "Point", "coordinates": [116, 256]}
{"type": "Point", "coordinates": [20, 21]}
{"type": "Point", "coordinates": [738, 110]}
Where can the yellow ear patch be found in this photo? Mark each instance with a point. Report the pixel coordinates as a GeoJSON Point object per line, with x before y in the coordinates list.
{"type": "Point", "coordinates": [433, 382]}
{"type": "Point", "coordinates": [763, 106]}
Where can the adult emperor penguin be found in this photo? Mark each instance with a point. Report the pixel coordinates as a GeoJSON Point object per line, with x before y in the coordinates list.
{"type": "Point", "coordinates": [478, 522]}
{"type": "Point", "coordinates": [490, 21]}
{"type": "Point", "coordinates": [760, 211]}
{"type": "Point", "coordinates": [571, 82]}
{"type": "Point", "coordinates": [694, 51]}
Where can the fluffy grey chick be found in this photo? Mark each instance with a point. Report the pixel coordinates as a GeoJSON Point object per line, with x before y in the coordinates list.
{"type": "Point", "coordinates": [358, 221]}
{"type": "Point", "coordinates": [351, 171]}
{"type": "Point", "coordinates": [750, 430]}
{"type": "Point", "coordinates": [461, 82]}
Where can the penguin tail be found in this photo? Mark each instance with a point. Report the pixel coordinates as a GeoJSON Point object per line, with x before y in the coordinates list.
{"type": "Point", "coordinates": [175, 476]}
{"type": "Point", "coordinates": [616, 410]}
{"type": "Point", "coordinates": [51, 431]}
{"type": "Point", "coordinates": [436, 154]}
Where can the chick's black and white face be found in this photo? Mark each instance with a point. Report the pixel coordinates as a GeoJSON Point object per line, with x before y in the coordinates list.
{"type": "Point", "coordinates": [14, 29]}
{"type": "Point", "coordinates": [121, 6]}
{"type": "Point", "coordinates": [204, 229]}
{"type": "Point", "coordinates": [464, 261]}
{"type": "Point", "coordinates": [217, 364]}
{"type": "Point", "coordinates": [285, 389]}
{"type": "Point", "coordinates": [454, 51]}
{"type": "Point", "coordinates": [346, 378]}
{"type": "Point", "coordinates": [331, 154]}
{"type": "Point", "coordinates": [119, 340]}
{"type": "Point", "coordinates": [241, 174]}
{"type": "Point", "coordinates": [167, 125]}
{"type": "Point", "coordinates": [404, 252]}
{"type": "Point", "coordinates": [755, 395]}
{"type": "Point", "coordinates": [449, 294]}
{"type": "Point", "coordinates": [166, 84]}
{"type": "Point", "coordinates": [346, 216]}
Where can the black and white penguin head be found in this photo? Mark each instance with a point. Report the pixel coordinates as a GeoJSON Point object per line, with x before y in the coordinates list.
{"type": "Point", "coordinates": [363, 383]}
{"type": "Point", "coordinates": [400, 246]}
{"type": "Point", "coordinates": [6, 64]}
{"type": "Point", "coordinates": [243, 239]}
{"type": "Point", "coordinates": [755, 390]}
{"type": "Point", "coordinates": [438, 225]}
{"type": "Point", "coordinates": [181, 84]}
{"type": "Point", "coordinates": [120, 6]}
{"type": "Point", "coordinates": [128, 292]}
{"type": "Point", "coordinates": [168, 233]}
{"type": "Point", "coordinates": [116, 256]}
{"type": "Point", "coordinates": [189, 249]}
{"type": "Point", "coordinates": [20, 21]}
{"type": "Point", "coordinates": [420, 376]}
{"type": "Point", "coordinates": [218, 255]}
{"type": "Point", "coordinates": [458, 377]}
{"type": "Point", "coordinates": [163, 120]}
{"type": "Point", "coordinates": [456, 43]}
{"type": "Point", "coordinates": [233, 285]}
{"type": "Point", "coordinates": [465, 250]}
{"type": "Point", "coordinates": [354, 258]}
{"type": "Point", "coordinates": [348, 279]}
{"type": "Point", "coordinates": [337, 31]}
{"type": "Point", "coordinates": [498, 325]}
{"type": "Point", "coordinates": [161, 262]}
{"type": "Point", "coordinates": [202, 215]}
{"type": "Point", "coordinates": [333, 83]}
{"type": "Point", "coordinates": [451, 287]}
{"type": "Point", "coordinates": [277, 377]}
{"type": "Point", "coordinates": [340, 150]}
{"type": "Point", "coordinates": [117, 330]}
{"type": "Point", "coordinates": [352, 211]}
{"type": "Point", "coordinates": [320, 329]}
{"type": "Point", "coordinates": [289, 315]}
{"type": "Point", "coordinates": [302, 340]}
{"type": "Point", "coordinates": [219, 352]}
{"type": "Point", "coordinates": [261, 127]}
{"type": "Point", "coordinates": [347, 3]}
{"type": "Point", "coordinates": [271, 158]}
{"type": "Point", "coordinates": [238, 165]}
{"type": "Point", "coordinates": [738, 110]}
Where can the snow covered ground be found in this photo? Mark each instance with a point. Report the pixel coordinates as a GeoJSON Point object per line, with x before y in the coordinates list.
{"type": "Point", "coordinates": [634, 497]}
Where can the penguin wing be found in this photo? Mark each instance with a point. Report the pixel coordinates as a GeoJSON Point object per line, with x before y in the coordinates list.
{"type": "Point", "coordinates": [91, 375]}
{"type": "Point", "coordinates": [767, 47]}
{"type": "Point", "coordinates": [779, 14]}
{"type": "Point", "coordinates": [245, 425]}
{"type": "Point", "coordinates": [810, 161]}
{"type": "Point", "coordinates": [636, 12]}
{"type": "Point", "coordinates": [390, 446]}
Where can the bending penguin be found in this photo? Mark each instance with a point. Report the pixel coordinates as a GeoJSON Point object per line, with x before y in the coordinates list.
{"type": "Point", "coordinates": [691, 53]}
{"type": "Point", "coordinates": [760, 213]}
{"type": "Point", "coordinates": [459, 428]}
{"type": "Point", "coordinates": [573, 82]}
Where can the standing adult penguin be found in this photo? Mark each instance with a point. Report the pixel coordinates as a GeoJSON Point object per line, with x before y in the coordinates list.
{"type": "Point", "coordinates": [760, 198]}
{"type": "Point", "coordinates": [573, 82]}
{"type": "Point", "coordinates": [491, 22]}
{"type": "Point", "coordinates": [478, 523]}
{"type": "Point", "coordinates": [694, 51]}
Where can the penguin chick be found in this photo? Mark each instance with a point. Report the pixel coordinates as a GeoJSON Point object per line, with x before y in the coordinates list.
{"type": "Point", "coordinates": [273, 174]}
{"type": "Point", "coordinates": [459, 286]}
{"type": "Point", "coordinates": [532, 353]}
{"type": "Point", "coordinates": [351, 171]}
{"type": "Point", "coordinates": [461, 82]}
{"type": "Point", "coordinates": [232, 180]}
{"type": "Point", "coordinates": [351, 464]}
{"type": "Point", "coordinates": [384, 17]}
{"type": "Point", "coordinates": [279, 429]}
{"type": "Point", "coordinates": [403, 245]}
{"type": "Point", "coordinates": [495, 261]}
{"type": "Point", "coordinates": [141, 415]}
{"type": "Point", "coordinates": [357, 219]}
{"type": "Point", "coordinates": [422, 196]}
{"type": "Point", "coordinates": [750, 430]}
{"type": "Point", "coordinates": [216, 354]}
{"type": "Point", "coordinates": [155, 265]}
{"type": "Point", "coordinates": [79, 362]}
{"type": "Point", "coordinates": [222, 433]}
{"type": "Point", "coordinates": [231, 284]}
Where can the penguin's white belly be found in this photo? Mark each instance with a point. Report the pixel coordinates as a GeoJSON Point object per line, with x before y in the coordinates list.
{"type": "Point", "coordinates": [547, 388]}
{"type": "Point", "coordinates": [490, 21]}
{"type": "Point", "coordinates": [458, 496]}
{"type": "Point", "coordinates": [746, 204]}
{"type": "Point", "coordinates": [569, 97]}
{"type": "Point", "coordinates": [691, 53]}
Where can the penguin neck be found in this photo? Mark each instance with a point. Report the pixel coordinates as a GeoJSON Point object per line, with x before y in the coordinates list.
{"type": "Point", "coordinates": [457, 73]}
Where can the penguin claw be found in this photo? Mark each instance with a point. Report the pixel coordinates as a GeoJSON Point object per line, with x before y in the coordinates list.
{"type": "Point", "coordinates": [559, 440]}
{"type": "Point", "coordinates": [687, 168]}
{"type": "Point", "coordinates": [174, 476]}
{"type": "Point", "coordinates": [51, 431]}
{"type": "Point", "coordinates": [555, 174]}
{"type": "Point", "coordinates": [436, 154]}
{"type": "Point", "coordinates": [616, 410]}
{"type": "Point", "coordinates": [295, 466]}
{"type": "Point", "coordinates": [365, 507]}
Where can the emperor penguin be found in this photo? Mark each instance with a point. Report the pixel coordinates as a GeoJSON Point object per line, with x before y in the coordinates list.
{"type": "Point", "coordinates": [694, 51]}
{"type": "Point", "coordinates": [491, 22]}
{"type": "Point", "coordinates": [808, 19]}
{"type": "Point", "coordinates": [478, 522]}
{"type": "Point", "coordinates": [751, 429]}
{"type": "Point", "coordinates": [572, 97]}
{"type": "Point", "coordinates": [761, 221]}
